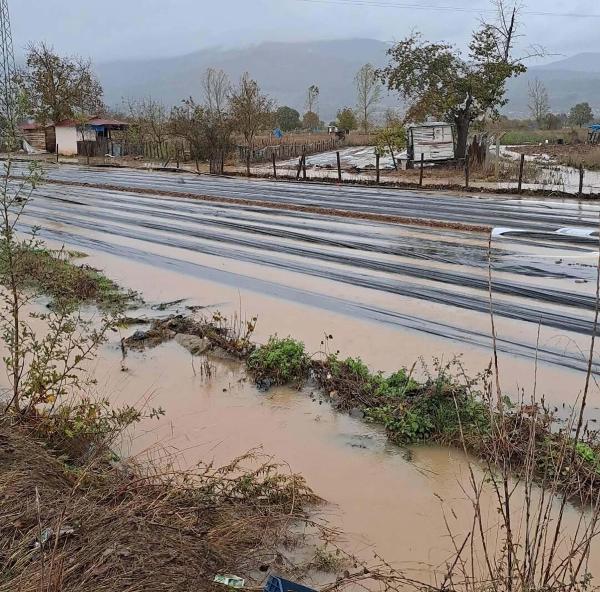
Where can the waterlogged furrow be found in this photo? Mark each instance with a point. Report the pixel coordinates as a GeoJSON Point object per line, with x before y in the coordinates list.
{"type": "Point", "coordinates": [350, 308]}
{"type": "Point", "coordinates": [475, 210]}
{"type": "Point", "coordinates": [452, 247]}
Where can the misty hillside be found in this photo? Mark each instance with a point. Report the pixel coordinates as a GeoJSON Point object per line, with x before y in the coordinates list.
{"type": "Point", "coordinates": [568, 81]}
{"type": "Point", "coordinates": [286, 70]}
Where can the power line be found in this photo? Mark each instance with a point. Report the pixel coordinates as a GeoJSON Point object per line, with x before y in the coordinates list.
{"type": "Point", "coordinates": [7, 68]}
{"type": "Point", "coordinates": [431, 7]}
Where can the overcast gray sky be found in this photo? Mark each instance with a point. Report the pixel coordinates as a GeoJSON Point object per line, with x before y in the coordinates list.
{"type": "Point", "coordinates": [115, 29]}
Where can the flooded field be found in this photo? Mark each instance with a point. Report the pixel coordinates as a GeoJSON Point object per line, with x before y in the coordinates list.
{"type": "Point", "coordinates": [391, 294]}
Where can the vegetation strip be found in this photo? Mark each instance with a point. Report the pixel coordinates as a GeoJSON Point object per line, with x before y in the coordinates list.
{"type": "Point", "coordinates": [447, 408]}
{"type": "Point", "coordinates": [54, 274]}
{"type": "Point", "coordinates": [282, 206]}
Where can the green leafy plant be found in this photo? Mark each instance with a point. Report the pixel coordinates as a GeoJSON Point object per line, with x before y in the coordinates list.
{"type": "Point", "coordinates": [280, 361]}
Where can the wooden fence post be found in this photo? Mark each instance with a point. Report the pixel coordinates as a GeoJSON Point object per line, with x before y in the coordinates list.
{"type": "Point", "coordinates": [521, 168]}
{"type": "Point", "coordinates": [248, 161]}
{"type": "Point", "coordinates": [421, 171]}
{"type": "Point", "coordinates": [467, 172]}
{"type": "Point", "coordinates": [581, 175]}
{"type": "Point", "coordinates": [377, 175]}
{"type": "Point", "coordinates": [339, 166]}
{"type": "Point", "coordinates": [304, 166]}
{"type": "Point", "coordinates": [299, 168]}
{"type": "Point", "coordinates": [274, 165]}
{"type": "Point", "coordinates": [57, 153]}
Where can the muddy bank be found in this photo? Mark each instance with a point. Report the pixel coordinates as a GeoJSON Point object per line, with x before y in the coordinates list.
{"type": "Point", "coordinates": [126, 526]}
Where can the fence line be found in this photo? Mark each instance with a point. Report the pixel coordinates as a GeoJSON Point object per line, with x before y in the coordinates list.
{"type": "Point", "coordinates": [287, 151]}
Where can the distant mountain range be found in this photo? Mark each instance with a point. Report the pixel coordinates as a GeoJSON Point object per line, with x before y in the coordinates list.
{"type": "Point", "coordinates": [569, 81]}
{"type": "Point", "coordinates": [286, 70]}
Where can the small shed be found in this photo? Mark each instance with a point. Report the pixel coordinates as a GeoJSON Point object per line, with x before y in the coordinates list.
{"type": "Point", "coordinates": [68, 134]}
{"type": "Point", "coordinates": [95, 137]}
{"type": "Point", "coordinates": [434, 140]}
{"type": "Point", "coordinates": [34, 134]}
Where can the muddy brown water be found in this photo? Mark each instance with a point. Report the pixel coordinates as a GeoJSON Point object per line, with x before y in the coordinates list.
{"type": "Point", "coordinates": [386, 500]}
{"type": "Point", "coordinates": [382, 499]}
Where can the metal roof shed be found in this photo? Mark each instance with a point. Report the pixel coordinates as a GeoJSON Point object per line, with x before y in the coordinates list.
{"type": "Point", "coordinates": [434, 140]}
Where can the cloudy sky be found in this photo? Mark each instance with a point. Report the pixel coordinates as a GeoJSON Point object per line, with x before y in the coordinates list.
{"type": "Point", "coordinates": [115, 29]}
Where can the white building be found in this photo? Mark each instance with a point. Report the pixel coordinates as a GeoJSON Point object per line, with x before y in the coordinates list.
{"type": "Point", "coordinates": [70, 133]}
{"type": "Point", "coordinates": [434, 140]}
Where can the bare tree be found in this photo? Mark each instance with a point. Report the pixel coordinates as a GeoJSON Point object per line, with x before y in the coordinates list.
{"type": "Point", "coordinates": [368, 94]}
{"type": "Point", "coordinates": [251, 112]}
{"type": "Point", "coordinates": [312, 99]}
{"type": "Point", "coordinates": [149, 119]}
{"type": "Point", "coordinates": [207, 132]}
{"type": "Point", "coordinates": [217, 89]}
{"type": "Point", "coordinates": [539, 103]}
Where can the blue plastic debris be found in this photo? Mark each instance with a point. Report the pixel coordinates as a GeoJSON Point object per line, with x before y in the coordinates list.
{"type": "Point", "coordinates": [277, 584]}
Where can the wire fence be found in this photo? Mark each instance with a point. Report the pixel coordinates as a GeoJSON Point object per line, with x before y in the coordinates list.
{"type": "Point", "coordinates": [517, 175]}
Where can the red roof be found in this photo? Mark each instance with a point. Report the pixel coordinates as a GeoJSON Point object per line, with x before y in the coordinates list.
{"type": "Point", "coordinates": [30, 126]}
{"type": "Point", "coordinates": [93, 121]}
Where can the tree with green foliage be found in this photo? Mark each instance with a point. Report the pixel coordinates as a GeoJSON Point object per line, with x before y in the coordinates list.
{"type": "Point", "coordinates": [287, 119]}
{"type": "Point", "coordinates": [59, 87]}
{"type": "Point", "coordinates": [311, 121]}
{"type": "Point", "coordinates": [391, 138]}
{"type": "Point", "coordinates": [346, 119]}
{"type": "Point", "coordinates": [439, 80]}
{"type": "Point", "coordinates": [581, 114]}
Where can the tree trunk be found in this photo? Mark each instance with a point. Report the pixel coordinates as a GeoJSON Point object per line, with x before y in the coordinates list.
{"type": "Point", "coordinates": [462, 134]}
{"type": "Point", "coordinates": [391, 149]}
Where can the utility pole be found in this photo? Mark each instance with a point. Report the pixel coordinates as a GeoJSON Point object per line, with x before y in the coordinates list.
{"type": "Point", "coordinates": [8, 94]}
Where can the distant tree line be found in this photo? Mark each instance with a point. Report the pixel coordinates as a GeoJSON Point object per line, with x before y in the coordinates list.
{"type": "Point", "coordinates": [539, 107]}
{"type": "Point", "coordinates": [434, 79]}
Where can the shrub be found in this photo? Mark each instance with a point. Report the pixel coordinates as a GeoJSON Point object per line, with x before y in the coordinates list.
{"type": "Point", "coordinates": [280, 361]}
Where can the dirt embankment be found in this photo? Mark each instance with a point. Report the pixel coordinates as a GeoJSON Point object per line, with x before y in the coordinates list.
{"type": "Point", "coordinates": [108, 527]}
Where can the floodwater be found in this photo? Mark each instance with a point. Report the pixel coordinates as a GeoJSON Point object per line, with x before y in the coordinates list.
{"type": "Point", "coordinates": [414, 284]}
{"type": "Point", "coordinates": [395, 502]}
{"type": "Point", "coordinates": [390, 294]}
{"type": "Point", "coordinates": [553, 176]}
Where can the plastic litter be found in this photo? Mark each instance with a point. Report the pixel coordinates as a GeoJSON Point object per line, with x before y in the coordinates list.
{"type": "Point", "coordinates": [277, 584]}
{"type": "Point", "coordinates": [48, 533]}
{"type": "Point", "coordinates": [230, 581]}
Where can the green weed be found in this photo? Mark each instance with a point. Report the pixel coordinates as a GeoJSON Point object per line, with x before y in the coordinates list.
{"type": "Point", "coordinates": [280, 361]}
